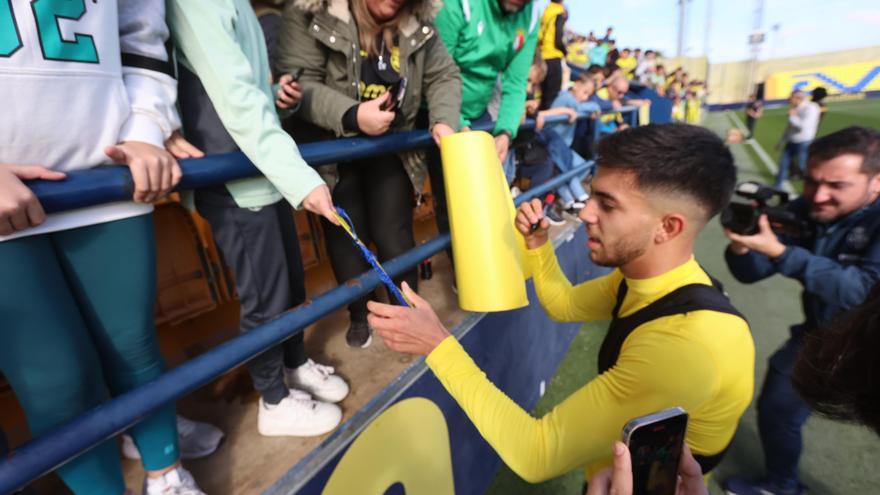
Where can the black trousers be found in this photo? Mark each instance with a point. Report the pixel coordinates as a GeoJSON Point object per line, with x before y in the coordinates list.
{"type": "Point", "coordinates": [552, 83]}
{"type": "Point", "coordinates": [261, 247]}
{"type": "Point", "coordinates": [378, 195]}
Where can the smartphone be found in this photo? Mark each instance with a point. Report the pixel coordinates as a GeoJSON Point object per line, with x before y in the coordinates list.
{"type": "Point", "coordinates": [297, 74]}
{"type": "Point", "coordinates": [655, 443]}
{"type": "Point", "coordinates": [398, 91]}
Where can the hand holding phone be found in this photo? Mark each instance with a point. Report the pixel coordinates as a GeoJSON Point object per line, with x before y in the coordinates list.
{"type": "Point", "coordinates": [655, 443]}
{"type": "Point", "coordinates": [398, 92]}
{"type": "Point", "coordinates": [289, 91]}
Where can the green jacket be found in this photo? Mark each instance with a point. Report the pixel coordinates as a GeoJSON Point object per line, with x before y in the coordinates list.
{"type": "Point", "coordinates": [320, 36]}
{"type": "Point", "coordinates": [486, 42]}
{"type": "Point", "coordinates": [221, 42]}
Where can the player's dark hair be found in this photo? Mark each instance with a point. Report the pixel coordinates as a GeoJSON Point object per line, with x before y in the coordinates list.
{"type": "Point", "coordinates": [676, 159]}
{"type": "Point", "coordinates": [852, 140]}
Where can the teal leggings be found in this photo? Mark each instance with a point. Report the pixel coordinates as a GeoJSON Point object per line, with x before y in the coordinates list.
{"type": "Point", "coordinates": [76, 327]}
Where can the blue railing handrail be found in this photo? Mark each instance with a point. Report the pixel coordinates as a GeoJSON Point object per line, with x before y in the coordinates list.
{"type": "Point", "coordinates": [108, 184]}
{"type": "Point", "coordinates": [69, 440]}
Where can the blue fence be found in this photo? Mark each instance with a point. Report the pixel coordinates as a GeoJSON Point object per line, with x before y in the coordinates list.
{"type": "Point", "coordinates": [107, 184]}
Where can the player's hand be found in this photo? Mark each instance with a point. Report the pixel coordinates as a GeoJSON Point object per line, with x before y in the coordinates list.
{"type": "Point", "coordinates": [181, 148]}
{"type": "Point", "coordinates": [502, 145]}
{"type": "Point", "coordinates": [154, 171]}
{"type": "Point", "coordinates": [572, 115]}
{"type": "Point", "coordinates": [764, 242]}
{"type": "Point", "coordinates": [289, 92]}
{"type": "Point", "coordinates": [439, 131]}
{"type": "Point", "coordinates": [371, 119]}
{"type": "Point", "coordinates": [320, 202]}
{"type": "Point", "coordinates": [416, 330]}
{"type": "Point", "coordinates": [528, 214]}
{"type": "Point", "coordinates": [19, 207]}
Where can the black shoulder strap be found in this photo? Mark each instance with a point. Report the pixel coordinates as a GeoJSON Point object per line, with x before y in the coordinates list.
{"type": "Point", "coordinates": [693, 297]}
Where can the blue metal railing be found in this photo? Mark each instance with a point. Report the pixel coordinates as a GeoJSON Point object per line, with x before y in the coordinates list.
{"type": "Point", "coordinates": [69, 440]}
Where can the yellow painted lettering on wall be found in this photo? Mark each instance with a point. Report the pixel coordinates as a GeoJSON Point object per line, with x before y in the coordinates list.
{"type": "Point", "coordinates": [408, 443]}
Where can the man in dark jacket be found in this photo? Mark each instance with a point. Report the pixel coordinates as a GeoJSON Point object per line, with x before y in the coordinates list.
{"type": "Point", "coordinates": [837, 262]}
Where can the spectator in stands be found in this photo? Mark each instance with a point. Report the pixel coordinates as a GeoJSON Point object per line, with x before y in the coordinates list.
{"type": "Point", "coordinates": [803, 122]}
{"type": "Point", "coordinates": [609, 32]}
{"type": "Point", "coordinates": [754, 112]}
{"type": "Point", "coordinates": [655, 189]}
{"type": "Point", "coordinates": [577, 52]}
{"type": "Point", "coordinates": [658, 80]}
{"type": "Point", "coordinates": [646, 67]}
{"type": "Point", "coordinates": [627, 63]}
{"type": "Point", "coordinates": [678, 109]}
{"type": "Point", "coordinates": [675, 83]}
{"type": "Point", "coordinates": [598, 53]}
{"type": "Point", "coordinates": [398, 60]}
{"type": "Point", "coordinates": [227, 104]}
{"type": "Point", "coordinates": [597, 74]}
{"type": "Point", "coordinates": [80, 286]}
{"type": "Point", "coordinates": [613, 54]}
{"type": "Point", "coordinates": [837, 260]}
{"type": "Point", "coordinates": [464, 28]}
{"type": "Point", "coordinates": [692, 108]}
{"type": "Point", "coordinates": [637, 53]}
{"type": "Point", "coordinates": [571, 103]}
{"type": "Point", "coordinates": [537, 73]}
{"type": "Point", "coordinates": [609, 98]}
{"type": "Point", "coordinates": [553, 50]}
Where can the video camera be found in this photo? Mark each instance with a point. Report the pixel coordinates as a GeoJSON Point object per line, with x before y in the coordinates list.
{"type": "Point", "coordinates": [742, 218]}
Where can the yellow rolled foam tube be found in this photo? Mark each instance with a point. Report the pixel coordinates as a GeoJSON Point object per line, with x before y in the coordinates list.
{"type": "Point", "coordinates": [488, 250]}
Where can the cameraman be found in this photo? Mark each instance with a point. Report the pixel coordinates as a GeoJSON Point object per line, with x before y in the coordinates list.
{"type": "Point", "coordinates": [838, 262]}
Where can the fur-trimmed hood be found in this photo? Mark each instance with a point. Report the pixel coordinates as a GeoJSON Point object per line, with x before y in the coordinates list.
{"type": "Point", "coordinates": [424, 10]}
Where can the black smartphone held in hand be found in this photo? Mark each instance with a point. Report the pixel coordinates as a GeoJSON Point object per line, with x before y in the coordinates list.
{"type": "Point", "coordinates": [398, 92]}
{"type": "Point", "coordinates": [297, 74]}
{"type": "Point", "coordinates": [655, 444]}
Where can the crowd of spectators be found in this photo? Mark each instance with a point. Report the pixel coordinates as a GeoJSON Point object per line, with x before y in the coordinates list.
{"type": "Point", "coordinates": [644, 68]}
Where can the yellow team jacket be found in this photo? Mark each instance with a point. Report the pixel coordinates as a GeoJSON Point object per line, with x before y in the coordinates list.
{"type": "Point", "coordinates": [703, 361]}
{"type": "Point", "coordinates": [627, 65]}
{"type": "Point", "coordinates": [547, 32]}
{"type": "Point", "coordinates": [692, 111]}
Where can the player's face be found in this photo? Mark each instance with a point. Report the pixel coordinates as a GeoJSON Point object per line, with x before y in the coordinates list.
{"type": "Point", "coordinates": [618, 219]}
{"type": "Point", "coordinates": [837, 187]}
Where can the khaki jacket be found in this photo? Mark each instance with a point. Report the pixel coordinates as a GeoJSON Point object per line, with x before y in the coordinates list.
{"type": "Point", "coordinates": [320, 36]}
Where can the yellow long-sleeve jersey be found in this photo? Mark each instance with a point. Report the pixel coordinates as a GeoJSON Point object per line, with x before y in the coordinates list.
{"type": "Point", "coordinates": [702, 361]}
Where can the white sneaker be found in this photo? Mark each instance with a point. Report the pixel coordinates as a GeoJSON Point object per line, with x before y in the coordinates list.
{"type": "Point", "coordinates": [195, 439]}
{"type": "Point", "coordinates": [178, 481]}
{"type": "Point", "coordinates": [297, 415]}
{"type": "Point", "coordinates": [514, 192]}
{"type": "Point", "coordinates": [318, 380]}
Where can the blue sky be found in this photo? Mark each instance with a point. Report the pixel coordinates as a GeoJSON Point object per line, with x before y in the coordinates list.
{"type": "Point", "coordinates": [805, 26]}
